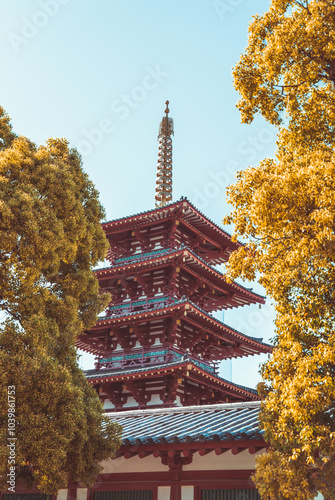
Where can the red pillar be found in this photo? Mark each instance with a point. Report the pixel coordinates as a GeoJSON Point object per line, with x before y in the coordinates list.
{"type": "Point", "coordinates": [175, 493]}
{"type": "Point", "coordinates": [175, 469]}
{"type": "Point", "coordinates": [72, 492]}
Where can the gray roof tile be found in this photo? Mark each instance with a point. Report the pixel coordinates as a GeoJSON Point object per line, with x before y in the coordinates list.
{"type": "Point", "coordinates": [233, 421]}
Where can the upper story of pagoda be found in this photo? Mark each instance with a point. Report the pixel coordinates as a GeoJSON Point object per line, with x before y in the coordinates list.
{"type": "Point", "coordinates": [164, 228]}
{"type": "Point", "coordinates": [149, 279]}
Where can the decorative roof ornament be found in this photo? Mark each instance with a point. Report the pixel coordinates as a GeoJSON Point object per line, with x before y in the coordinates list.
{"type": "Point", "coordinates": [164, 166]}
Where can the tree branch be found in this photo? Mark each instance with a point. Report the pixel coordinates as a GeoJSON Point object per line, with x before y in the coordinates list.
{"type": "Point", "coordinates": [304, 4]}
{"type": "Point", "coordinates": [282, 87]}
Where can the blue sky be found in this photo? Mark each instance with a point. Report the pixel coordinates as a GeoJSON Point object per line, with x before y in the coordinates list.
{"type": "Point", "coordinates": [98, 73]}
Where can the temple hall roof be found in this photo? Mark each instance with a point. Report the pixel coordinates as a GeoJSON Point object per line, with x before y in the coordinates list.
{"type": "Point", "coordinates": [219, 422]}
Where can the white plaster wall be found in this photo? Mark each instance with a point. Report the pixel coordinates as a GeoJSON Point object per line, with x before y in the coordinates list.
{"type": "Point", "coordinates": [134, 464]}
{"type": "Point", "coordinates": [187, 493]}
{"type": "Point", "coordinates": [82, 494]}
{"type": "Point", "coordinates": [62, 495]}
{"type": "Point", "coordinates": [163, 493]}
{"type": "Point", "coordinates": [130, 402]}
{"type": "Point", "coordinates": [226, 461]}
{"type": "Point", "coordinates": [108, 404]}
{"type": "Point", "coordinates": [155, 400]}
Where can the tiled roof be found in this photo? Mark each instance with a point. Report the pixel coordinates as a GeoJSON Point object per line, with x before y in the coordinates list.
{"type": "Point", "coordinates": [235, 421]}
{"type": "Point", "coordinates": [104, 374]}
{"type": "Point", "coordinates": [183, 198]}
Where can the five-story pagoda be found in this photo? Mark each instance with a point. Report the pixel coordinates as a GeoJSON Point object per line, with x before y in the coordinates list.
{"type": "Point", "coordinates": [158, 344]}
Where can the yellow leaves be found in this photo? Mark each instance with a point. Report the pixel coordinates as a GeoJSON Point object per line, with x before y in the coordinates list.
{"type": "Point", "coordinates": [289, 58]}
{"type": "Point", "coordinates": [285, 211]}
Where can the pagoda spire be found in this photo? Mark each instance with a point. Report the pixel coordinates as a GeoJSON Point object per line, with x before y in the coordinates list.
{"type": "Point", "coordinates": [164, 166]}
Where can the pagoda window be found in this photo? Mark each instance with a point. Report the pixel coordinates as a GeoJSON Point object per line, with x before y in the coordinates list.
{"type": "Point", "coordinates": [124, 495]}
{"type": "Point", "coordinates": [26, 496]}
{"type": "Point", "coordinates": [230, 495]}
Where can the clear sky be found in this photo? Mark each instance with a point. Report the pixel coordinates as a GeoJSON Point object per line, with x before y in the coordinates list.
{"type": "Point", "coordinates": [98, 73]}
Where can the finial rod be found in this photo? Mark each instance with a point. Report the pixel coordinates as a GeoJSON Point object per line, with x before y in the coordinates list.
{"type": "Point", "coordinates": [167, 107]}
{"type": "Point", "coordinates": [164, 167]}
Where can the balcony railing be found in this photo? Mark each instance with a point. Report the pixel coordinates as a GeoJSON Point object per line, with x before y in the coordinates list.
{"type": "Point", "coordinates": [141, 256]}
{"type": "Point", "coordinates": [137, 305]}
{"type": "Point", "coordinates": [143, 357]}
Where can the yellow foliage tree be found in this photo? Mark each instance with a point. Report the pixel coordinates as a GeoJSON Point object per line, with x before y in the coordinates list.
{"type": "Point", "coordinates": [50, 237]}
{"type": "Point", "coordinates": [287, 72]}
{"type": "Point", "coordinates": [285, 211]}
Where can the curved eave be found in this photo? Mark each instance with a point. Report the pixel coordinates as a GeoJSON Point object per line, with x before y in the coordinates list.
{"type": "Point", "coordinates": [184, 306]}
{"type": "Point", "coordinates": [194, 372]}
{"type": "Point", "coordinates": [199, 221]}
{"type": "Point", "coordinates": [212, 273]}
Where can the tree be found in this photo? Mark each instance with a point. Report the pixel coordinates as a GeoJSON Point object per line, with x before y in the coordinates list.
{"type": "Point", "coordinates": [285, 210]}
{"type": "Point", "coordinates": [289, 67]}
{"type": "Point", "coordinates": [50, 238]}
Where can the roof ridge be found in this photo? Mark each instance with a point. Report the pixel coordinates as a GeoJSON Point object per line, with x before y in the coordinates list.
{"type": "Point", "coordinates": [187, 409]}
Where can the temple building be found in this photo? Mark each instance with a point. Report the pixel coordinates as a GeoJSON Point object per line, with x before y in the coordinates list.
{"type": "Point", "coordinates": [188, 433]}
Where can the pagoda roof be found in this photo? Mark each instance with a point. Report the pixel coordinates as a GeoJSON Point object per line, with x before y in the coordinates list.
{"type": "Point", "coordinates": [187, 424]}
{"type": "Point", "coordinates": [187, 213]}
{"type": "Point", "coordinates": [236, 294]}
{"type": "Point", "coordinates": [194, 314]}
{"type": "Point", "coordinates": [195, 371]}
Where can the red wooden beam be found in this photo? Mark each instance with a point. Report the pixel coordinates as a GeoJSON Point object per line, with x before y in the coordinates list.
{"type": "Point", "coordinates": [236, 450]}
{"type": "Point", "coordinates": [204, 451]}
{"type": "Point", "coordinates": [219, 451]}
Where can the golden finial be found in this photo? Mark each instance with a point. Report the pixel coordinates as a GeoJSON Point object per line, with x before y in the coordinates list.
{"type": "Point", "coordinates": [167, 107]}
{"type": "Point", "coordinates": [164, 167]}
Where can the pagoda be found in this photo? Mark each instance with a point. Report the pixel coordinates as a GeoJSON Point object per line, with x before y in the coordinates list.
{"type": "Point", "coordinates": [188, 434]}
{"type": "Point", "coordinates": [158, 344]}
